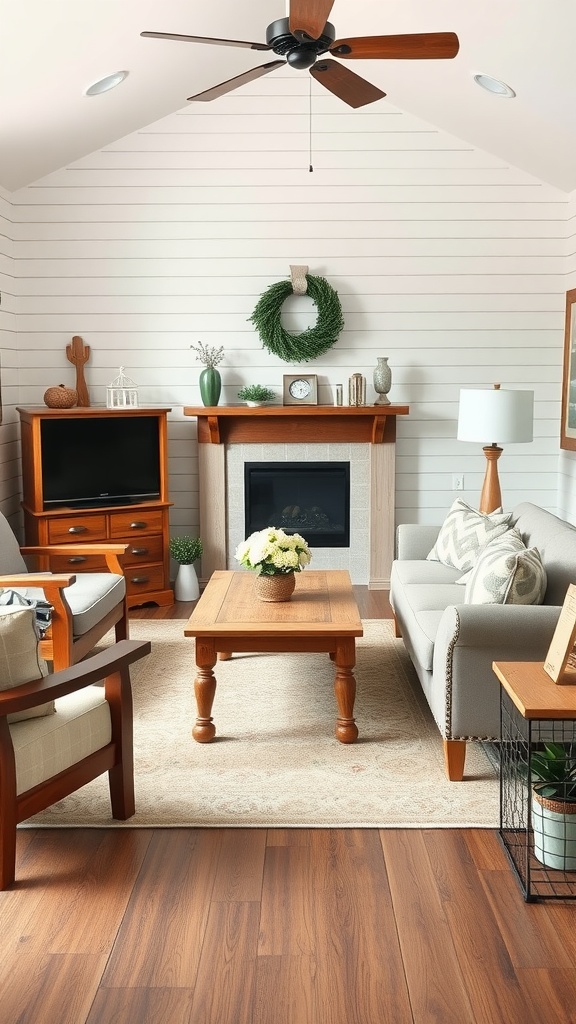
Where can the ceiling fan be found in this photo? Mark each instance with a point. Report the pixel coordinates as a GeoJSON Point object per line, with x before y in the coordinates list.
{"type": "Point", "coordinates": [306, 34]}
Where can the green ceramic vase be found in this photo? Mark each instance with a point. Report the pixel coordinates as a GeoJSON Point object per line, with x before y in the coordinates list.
{"type": "Point", "coordinates": [210, 385]}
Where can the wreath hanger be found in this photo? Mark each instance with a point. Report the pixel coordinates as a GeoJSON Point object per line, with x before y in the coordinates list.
{"type": "Point", "coordinates": [298, 278]}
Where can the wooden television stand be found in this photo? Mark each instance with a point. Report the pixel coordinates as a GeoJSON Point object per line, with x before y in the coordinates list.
{"type": "Point", "coordinates": [144, 526]}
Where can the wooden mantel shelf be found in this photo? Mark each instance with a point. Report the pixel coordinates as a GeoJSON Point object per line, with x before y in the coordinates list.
{"type": "Point", "coordinates": [237, 424]}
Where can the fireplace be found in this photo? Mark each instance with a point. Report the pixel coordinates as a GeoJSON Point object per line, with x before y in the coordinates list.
{"type": "Point", "coordinates": [309, 498]}
{"type": "Point", "coordinates": [229, 436]}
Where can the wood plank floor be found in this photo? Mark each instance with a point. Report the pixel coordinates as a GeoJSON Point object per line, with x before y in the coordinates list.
{"type": "Point", "coordinates": [279, 926]}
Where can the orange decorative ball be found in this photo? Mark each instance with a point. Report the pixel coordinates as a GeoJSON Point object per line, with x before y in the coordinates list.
{"type": "Point", "coordinates": [60, 397]}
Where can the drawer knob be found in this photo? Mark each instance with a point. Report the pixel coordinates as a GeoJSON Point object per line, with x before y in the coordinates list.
{"type": "Point", "coordinates": [139, 579]}
{"type": "Point", "coordinates": [77, 529]}
{"type": "Point", "coordinates": [76, 559]}
{"type": "Point", "coordinates": [138, 551]}
{"type": "Point", "coordinates": [138, 526]}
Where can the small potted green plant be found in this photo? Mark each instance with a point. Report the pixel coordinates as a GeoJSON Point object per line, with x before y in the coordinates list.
{"type": "Point", "coordinates": [256, 394]}
{"type": "Point", "coordinates": [186, 550]}
{"type": "Point", "coordinates": [553, 775]}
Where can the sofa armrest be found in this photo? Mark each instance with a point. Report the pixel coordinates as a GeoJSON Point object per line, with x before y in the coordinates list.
{"type": "Point", "coordinates": [465, 693]}
{"type": "Point", "coordinates": [522, 632]}
{"type": "Point", "coordinates": [414, 540]}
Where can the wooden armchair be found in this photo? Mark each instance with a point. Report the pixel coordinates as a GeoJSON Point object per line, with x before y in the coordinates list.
{"type": "Point", "coordinates": [85, 606]}
{"type": "Point", "coordinates": [37, 762]}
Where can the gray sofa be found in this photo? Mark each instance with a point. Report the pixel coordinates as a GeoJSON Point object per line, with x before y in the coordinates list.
{"type": "Point", "coordinates": [452, 645]}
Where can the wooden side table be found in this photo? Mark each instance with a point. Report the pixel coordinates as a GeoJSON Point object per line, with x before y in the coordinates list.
{"type": "Point", "coordinates": [533, 710]}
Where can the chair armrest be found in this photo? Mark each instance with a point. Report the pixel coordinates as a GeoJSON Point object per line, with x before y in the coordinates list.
{"type": "Point", "coordinates": [53, 582]}
{"type": "Point", "coordinates": [109, 551]}
{"type": "Point", "coordinates": [115, 658]}
{"type": "Point", "coordinates": [415, 540]}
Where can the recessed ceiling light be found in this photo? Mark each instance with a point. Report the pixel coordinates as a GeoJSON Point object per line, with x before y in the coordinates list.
{"type": "Point", "coordinates": [110, 82]}
{"type": "Point", "coordinates": [494, 86]}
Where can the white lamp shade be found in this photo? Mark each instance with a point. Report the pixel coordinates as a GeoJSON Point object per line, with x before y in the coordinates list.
{"type": "Point", "coordinates": [494, 416]}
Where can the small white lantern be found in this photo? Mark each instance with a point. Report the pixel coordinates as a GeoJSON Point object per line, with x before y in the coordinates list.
{"type": "Point", "coordinates": [122, 393]}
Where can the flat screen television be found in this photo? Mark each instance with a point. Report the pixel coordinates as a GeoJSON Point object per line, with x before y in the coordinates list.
{"type": "Point", "coordinates": [97, 461]}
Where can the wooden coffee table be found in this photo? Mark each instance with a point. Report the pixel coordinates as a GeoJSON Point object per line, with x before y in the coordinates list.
{"type": "Point", "coordinates": [321, 617]}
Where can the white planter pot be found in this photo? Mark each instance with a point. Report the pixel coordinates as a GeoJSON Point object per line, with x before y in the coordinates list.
{"type": "Point", "coordinates": [186, 587]}
{"type": "Point", "coordinates": [554, 833]}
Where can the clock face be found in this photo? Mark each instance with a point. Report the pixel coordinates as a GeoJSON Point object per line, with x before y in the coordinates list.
{"type": "Point", "coordinates": [300, 388]}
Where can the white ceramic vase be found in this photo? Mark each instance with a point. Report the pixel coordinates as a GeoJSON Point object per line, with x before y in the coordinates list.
{"type": "Point", "coordinates": [554, 825]}
{"type": "Point", "coordinates": [186, 587]}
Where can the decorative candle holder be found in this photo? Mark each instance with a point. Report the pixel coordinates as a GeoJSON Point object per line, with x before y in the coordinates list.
{"type": "Point", "coordinates": [357, 389]}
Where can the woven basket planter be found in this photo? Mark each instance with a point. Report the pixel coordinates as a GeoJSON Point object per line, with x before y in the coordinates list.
{"type": "Point", "coordinates": [275, 588]}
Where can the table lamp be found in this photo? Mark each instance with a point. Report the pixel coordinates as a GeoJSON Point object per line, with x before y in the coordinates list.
{"type": "Point", "coordinates": [504, 415]}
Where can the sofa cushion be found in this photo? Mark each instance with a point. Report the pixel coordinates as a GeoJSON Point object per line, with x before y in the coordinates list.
{"type": "Point", "coordinates": [464, 532]}
{"type": "Point", "coordinates": [506, 572]}
{"type": "Point", "coordinates": [20, 660]}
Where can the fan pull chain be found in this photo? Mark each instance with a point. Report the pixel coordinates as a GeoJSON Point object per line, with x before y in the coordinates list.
{"type": "Point", "coordinates": [310, 167]}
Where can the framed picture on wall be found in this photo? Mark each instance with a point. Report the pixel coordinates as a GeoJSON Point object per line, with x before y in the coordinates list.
{"type": "Point", "coordinates": [568, 428]}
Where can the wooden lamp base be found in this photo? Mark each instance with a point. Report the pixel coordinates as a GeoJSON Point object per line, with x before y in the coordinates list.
{"type": "Point", "coordinates": [491, 496]}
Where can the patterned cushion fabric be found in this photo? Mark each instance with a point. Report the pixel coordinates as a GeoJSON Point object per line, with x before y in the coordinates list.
{"type": "Point", "coordinates": [506, 572]}
{"type": "Point", "coordinates": [464, 532]}
{"type": "Point", "coordinates": [20, 661]}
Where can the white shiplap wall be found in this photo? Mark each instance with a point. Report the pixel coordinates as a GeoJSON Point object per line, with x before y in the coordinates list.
{"type": "Point", "coordinates": [567, 468]}
{"type": "Point", "coordinates": [445, 259]}
{"type": "Point", "coordinates": [9, 428]}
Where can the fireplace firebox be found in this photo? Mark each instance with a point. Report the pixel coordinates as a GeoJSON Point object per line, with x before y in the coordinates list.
{"type": "Point", "coordinates": [309, 498]}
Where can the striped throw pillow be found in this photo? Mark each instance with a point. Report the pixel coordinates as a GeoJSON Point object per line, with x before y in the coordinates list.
{"type": "Point", "coordinates": [464, 532]}
{"type": "Point", "coordinates": [507, 572]}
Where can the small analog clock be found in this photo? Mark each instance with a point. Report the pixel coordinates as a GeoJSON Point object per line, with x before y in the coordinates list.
{"type": "Point", "coordinates": [300, 389]}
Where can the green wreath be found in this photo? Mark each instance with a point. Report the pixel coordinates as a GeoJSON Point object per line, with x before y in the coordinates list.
{"type": "Point", "coordinates": [296, 348]}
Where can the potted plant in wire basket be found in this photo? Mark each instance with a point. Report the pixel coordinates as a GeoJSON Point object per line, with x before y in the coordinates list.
{"type": "Point", "coordinates": [186, 550]}
{"type": "Point", "coordinates": [256, 394]}
{"type": "Point", "coordinates": [275, 557]}
{"type": "Point", "coordinates": [553, 775]}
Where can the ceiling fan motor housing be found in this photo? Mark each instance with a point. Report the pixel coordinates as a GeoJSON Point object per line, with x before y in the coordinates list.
{"type": "Point", "coordinates": [298, 54]}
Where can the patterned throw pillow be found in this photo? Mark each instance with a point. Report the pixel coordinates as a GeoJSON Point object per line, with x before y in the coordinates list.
{"type": "Point", "coordinates": [464, 532]}
{"type": "Point", "coordinates": [507, 572]}
{"type": "Point", "coordinates": [20, 661]}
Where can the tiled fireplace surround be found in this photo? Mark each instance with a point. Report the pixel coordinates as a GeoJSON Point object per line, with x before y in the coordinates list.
{"type": "Point", "coordinates": [229, 436]}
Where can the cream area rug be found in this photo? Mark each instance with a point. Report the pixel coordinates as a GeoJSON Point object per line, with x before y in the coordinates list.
{"type": "Point", "coordinates": [275, 760]}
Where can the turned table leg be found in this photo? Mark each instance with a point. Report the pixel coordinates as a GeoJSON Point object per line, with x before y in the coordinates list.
{"type": "Point", "coordinates": [204, 688]}
{"type": "Point", "coordinates": [345, 690]}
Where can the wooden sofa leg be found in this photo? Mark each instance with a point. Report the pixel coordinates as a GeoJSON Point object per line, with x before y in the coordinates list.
{"type": "Point", "coordinates": [397, 630]}
{"type": "Point", "coordinates": [454, 757]}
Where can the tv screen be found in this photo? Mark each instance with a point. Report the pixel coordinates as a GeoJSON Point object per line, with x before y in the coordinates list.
{"type": "Point", "coordinates": [100, 461]}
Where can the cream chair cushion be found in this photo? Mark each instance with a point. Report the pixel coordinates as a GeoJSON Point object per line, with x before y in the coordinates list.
{"type": "Point", "coordinates": [90, 598]}
{"type": "Point", "coordinates": [45, 746]}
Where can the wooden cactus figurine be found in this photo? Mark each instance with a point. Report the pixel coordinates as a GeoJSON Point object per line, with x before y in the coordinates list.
{"type": "Point", "coordinates": [78, 354]}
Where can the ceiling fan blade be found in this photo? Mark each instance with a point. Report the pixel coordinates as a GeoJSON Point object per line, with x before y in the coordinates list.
{"type": "Point", "coordinates": [206, 39]}
{"type": "Point", "coordinates": [235, 83]}
{"type": "Point", "coordinates": [308, 17]}
{"type": "Point", "coordinates": [347, 86]}
{"type": "Point", "coordinates": [426, 46]}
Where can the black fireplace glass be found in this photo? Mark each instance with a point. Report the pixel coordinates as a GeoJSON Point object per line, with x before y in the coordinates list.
{"type": "Point", "coordinates": [309, 498]}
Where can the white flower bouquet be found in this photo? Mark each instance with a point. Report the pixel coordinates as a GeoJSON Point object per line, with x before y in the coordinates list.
{"type": "Point", "coordinates": [272, 552]}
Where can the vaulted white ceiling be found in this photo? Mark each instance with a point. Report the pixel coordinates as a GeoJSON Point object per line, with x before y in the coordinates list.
{"type": "Point", "coordinates": [51, 50]}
